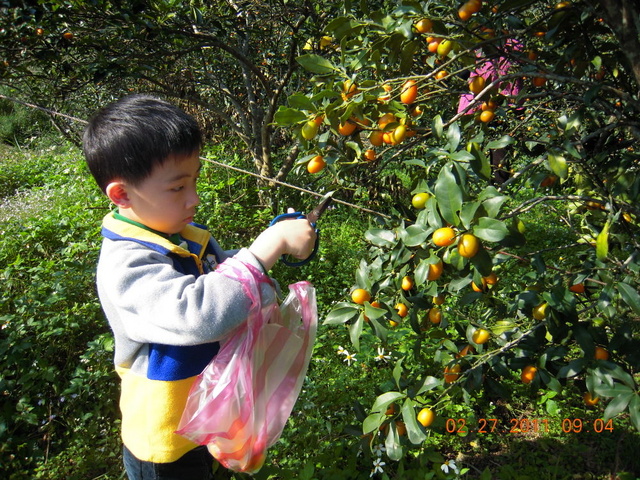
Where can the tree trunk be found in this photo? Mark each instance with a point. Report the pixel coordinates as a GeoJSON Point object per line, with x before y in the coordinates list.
{"type": "Point", "coordinates": [623, 16]}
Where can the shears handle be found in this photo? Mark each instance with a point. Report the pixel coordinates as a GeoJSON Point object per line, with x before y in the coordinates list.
{"type": "Point", "coordinates": [285, 258]}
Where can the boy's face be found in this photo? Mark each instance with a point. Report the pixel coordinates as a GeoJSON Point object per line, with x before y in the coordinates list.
{"type": "Point", "coordinates": [166, 200]}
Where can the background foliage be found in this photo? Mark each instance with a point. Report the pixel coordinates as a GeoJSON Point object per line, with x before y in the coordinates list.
{"type": "Point", "coordinates": [556, 219]}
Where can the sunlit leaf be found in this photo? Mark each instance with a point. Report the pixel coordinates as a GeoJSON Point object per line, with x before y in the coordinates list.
{"type": "Point", "coordinates": [316, 64]}
{"type": "Point", "coordinates": [392, 443]}
{"type": "Point", "coordinates": [340, 315]}
{"type": "Point", "coordinates": [448, 195]}
{"type": "Point", "coordinates": [380, 237]}
{"type": "Point", "coordinates": [490, 229]}
{"type": "Point", "coordinates": [618, 403]}
{"type": "Point", "coordinates": [372, 422]}
{"type": "Point", "coordinates": [558, 165]}
{"type": "Point", "coordinates": [414, 431]}
{"type": "Point", "coordinates": [602, 242]}
{"type": "Point", "coordinates": [355, 330]}
{"type": "Point", "coordinates": [386, 399]}
{"type": "Point", "coordinates": [414, 235]}
{"type": "Point", "coordinates": [289, 116]}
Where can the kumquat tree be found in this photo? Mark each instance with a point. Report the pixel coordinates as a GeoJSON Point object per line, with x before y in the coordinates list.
{"type": "Point", "coordinates": [511, 251]}
{"type": "Point", "coordinates": [477, 274]}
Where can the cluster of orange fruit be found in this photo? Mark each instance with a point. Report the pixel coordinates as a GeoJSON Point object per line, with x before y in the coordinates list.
{"type": "Point", "coordinates": [468, 243]}
{"type": "Point", "coordinates": [466, 11]}
{"type": "Point", "coordinates": [441, 46]}
{"type": "Point", "coordinates": [487, 111]}
{"type": "Point", "coordinates": [384, 134]}
{"type": "Point", "coordinates": [390, 130]}
{"type": "Point", "coordinates": [477, 85]}
{"type": "Point", "coordinates": [480, 336]}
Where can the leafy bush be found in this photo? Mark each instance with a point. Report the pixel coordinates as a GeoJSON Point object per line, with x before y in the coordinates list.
{"type": "Point", "coordinates": [21, 125]}
{"type": "Point", "coordinates": [58, 384]}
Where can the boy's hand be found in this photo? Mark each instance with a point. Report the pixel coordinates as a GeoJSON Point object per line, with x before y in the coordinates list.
{"type": "Point", "coordinates": [291, 237]}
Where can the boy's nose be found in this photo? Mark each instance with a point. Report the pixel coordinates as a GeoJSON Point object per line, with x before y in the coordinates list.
{"type": "Point", "coordinates": [194, 199]}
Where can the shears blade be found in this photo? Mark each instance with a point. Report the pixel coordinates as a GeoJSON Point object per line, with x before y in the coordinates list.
{"type": "Point", "coordinates": [316, 213]}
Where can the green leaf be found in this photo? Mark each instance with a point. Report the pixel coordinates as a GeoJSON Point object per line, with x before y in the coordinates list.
{"type": "Point", "coordinates": [340, 26]}
{"type": "Point", "coordinates": [372, 422]}
{"type": "Point", "coordinates": [413, 235]}
{"type": "Point", "coordinates": [612, 391]}
{"type": "Point", "coordinates": [429, 384]}
{"type": "Point", "coordinates": [634, 411]}
{"type": "Point", "coordinates": [551, 406]}
{"type": "Point", "coordinates": [288, 116]}
{"type": "Point", "coordinates": [397, 371]}
{"type": "Point", "coordinates": [381, 331]}
{"type": "Point", "coordinates": [618, 403]}
{"type": "Point", "coordinates": [486, 474]}
{"type": "Point", "coordinates": [380, 237]}
{"type": "Point", "coordinates": [453, 137]}
{"type": "Point", "coordinates": [480, 162]}
{"type": "Point", "coordinates": [421, 272]}
{"type": "Point", "coordinates": [621, 374]}
{"type": "Point", "coordinates": [585, 340]}
{"type": "Point", "coordinates": [591, 94]}
{"type": "Point", "coordinates": [630, 296]}
{"type": "Point", "coordinates": [408, 52]}
{"type": "Point", "coordinates": [438, 126]}
{"type": "Point", "coordinates": [468, 213]}
{"type": "Point", "coordinates": [448, 195]}
{"type": "Point", "coordinates": [572, 369]}
{"type": "Point", "coordinates": [482, 262]}
{"type": "Point", "coordinates": [414, 431]}
{"type": "Point", "coordinates": [355, 330]}
{"type": "Point", "coordinates": [386, 399]}
{"type": "Point", "coordinates": [300, 101]}
{"type": "Point", "coordinates": [492, 201]}
{"type": "Point", "coordinates": [490, 229]}
{"type": "Point", "coordinates": [501, 142]}
{"type": "Point", "coordinates": [373, 313]}
{"type": "Point", "coordinates": [558, 165]}
{"type": "Point", "coordinates": [316, 64]}
{"type": "Point", "coordinates": [392, 443]}
{"type": "Point", "coordinates": [602, 242]}
{"type": "Point", "coordinates": [307, 471]}
{"type": "Point", "coordinates": [340, 315]}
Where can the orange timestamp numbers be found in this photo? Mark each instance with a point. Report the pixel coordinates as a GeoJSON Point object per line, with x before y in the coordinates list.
{"type": "Point", "coordinates": [527, 425]}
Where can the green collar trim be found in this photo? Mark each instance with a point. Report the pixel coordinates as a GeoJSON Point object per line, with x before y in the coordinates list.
{"type": "Point", "coordinates": [175, 238]}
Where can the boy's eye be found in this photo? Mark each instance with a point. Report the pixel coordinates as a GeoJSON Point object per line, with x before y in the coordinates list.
{"type": "Point", "coordinates": [177, 189]}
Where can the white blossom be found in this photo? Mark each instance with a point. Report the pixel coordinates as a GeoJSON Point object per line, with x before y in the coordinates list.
{"type": "Point", "coordinates": [379, 449]}
{"type": "Point", "coordinates": [349, 357]}
{"type": "Point", "coordinates": [377, 467]}
{"type": "Point", "coordinates": [381, 357]}
{"type": "Point", "coordinates": [449, 465]}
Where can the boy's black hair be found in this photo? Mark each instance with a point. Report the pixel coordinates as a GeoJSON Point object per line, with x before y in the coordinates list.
{"type": "Point", "coordinates": [126, 139]}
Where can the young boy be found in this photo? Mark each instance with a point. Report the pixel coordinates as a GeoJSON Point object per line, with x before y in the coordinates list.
{"type": "Point", "coordinates": [156, 278]}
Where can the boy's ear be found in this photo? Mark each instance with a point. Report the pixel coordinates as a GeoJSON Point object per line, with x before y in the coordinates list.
{"type": "Point", "coordinates": [117, 193]}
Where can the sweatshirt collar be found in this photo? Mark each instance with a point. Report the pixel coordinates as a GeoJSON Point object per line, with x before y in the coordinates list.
{"type": "Point", "coordinates": [175, 238]}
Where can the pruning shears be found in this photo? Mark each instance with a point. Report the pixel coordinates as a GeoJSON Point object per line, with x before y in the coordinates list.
{"type": "Point", "coordinates": [313, 217]}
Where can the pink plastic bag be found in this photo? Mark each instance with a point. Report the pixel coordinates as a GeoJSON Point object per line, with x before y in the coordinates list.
{"type": "Point", "coordinates": [239, 404]}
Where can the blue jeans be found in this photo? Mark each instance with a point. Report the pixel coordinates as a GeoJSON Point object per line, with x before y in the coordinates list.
{"type": "Point", "coordinates": [194, 465]}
